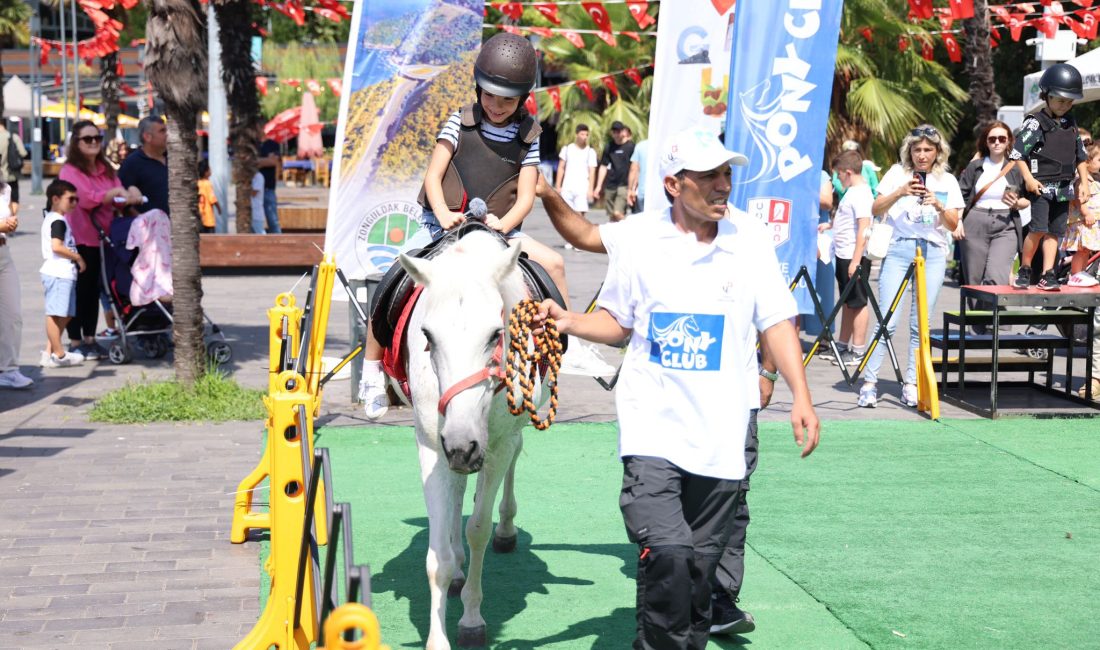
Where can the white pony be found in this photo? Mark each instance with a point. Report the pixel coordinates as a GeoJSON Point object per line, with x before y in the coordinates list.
{"type": "Point", "coordinates": [455, 337]}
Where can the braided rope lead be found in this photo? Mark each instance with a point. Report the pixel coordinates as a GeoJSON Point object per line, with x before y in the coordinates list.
{"type": "Point", "coordinates": [547, 350]}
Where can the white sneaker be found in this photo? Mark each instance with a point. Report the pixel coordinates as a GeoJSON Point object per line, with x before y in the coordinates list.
{"type": "Point", "coordinates": [372, 392]}
{"type": "Point", "coordinates": [868, 396]}
{"type": "Point", "coordinates": [14, 379]}
{"type": "Point", "coordinates": [569, 247]}
{"type": "Point", "coordinates": [50, 360]}
{"type": "Point", "coordinates": [909, 395]}
{"type": "Point", "coordinates": [585, 360]}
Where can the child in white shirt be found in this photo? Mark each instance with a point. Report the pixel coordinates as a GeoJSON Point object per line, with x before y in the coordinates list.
{"type": "Point", "coordinates": [58, 272]}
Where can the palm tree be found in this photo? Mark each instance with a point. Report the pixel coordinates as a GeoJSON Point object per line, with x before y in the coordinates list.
{"type": "Point", "coordinates": [882, 86]}
{"type": "Point", "coordinates": [15, 29]}
{"type": "Point", "coordinates": [979, 65]}
{"type": "Point", "coordinates": [175, 63]}
{"type": "Point", "coordinates": [239, 77]}
{"type": "Point", "coordinates": [109, 81]}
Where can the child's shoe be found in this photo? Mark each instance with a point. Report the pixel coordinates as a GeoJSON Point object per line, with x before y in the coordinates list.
{"type": "Point", "coordinates": [868, 396]}
{"type": "Point", "coordinates": [909, 395]}
{"type": "Point", "coordinates": [372, 390]}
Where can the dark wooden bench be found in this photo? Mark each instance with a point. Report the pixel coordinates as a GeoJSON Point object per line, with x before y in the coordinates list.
{"type": "Point", "coordinates": [293, 250]}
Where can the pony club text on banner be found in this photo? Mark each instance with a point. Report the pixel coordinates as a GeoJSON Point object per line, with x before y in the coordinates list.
{"type": "Point", "coordinates": [690, 70]}
{"type": "Point", "coordinates": [409, 66]}
{"type": "Point", "coordinates": [780, 89]}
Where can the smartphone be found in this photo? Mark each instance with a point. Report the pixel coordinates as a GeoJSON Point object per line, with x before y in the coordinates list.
{"type": "Point", "coordinates": [922, 177]}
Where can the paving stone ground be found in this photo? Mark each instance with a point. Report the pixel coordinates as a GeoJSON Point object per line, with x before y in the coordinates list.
{"type": "Point", "coordinates": [117, 536]}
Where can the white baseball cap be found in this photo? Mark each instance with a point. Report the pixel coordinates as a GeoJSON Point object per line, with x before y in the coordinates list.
{"type": "Point", "coordinates": [696, 150]}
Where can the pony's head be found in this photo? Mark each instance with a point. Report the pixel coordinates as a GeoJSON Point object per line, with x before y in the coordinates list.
{"type": "Point", "coordinates": [467, 291]}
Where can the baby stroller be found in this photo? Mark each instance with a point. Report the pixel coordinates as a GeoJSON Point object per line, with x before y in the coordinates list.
{"type": "Point", "coordinates": [144, 315]}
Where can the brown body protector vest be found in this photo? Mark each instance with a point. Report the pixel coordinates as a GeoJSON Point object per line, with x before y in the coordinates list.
{"type": "Point", "coordinates": [1056, 159]}
{"type": "Point", "coordinates": [483, 168]}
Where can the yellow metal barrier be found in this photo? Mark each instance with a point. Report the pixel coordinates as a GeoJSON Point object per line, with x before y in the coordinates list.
{"type": "Point", "coordinates": [288, 503]}
{"type": "Point", "coordinates": [322, 300]}
{"type": "Point", "coordinates": [928, 393]}
{"type": "Point", "coordinates": [348, 617]}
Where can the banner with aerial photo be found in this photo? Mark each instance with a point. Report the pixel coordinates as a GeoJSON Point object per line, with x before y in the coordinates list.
{"type": "Point", "coordinates": [409, 66]}
{"type": "Point", "coordinates": [690, 77]}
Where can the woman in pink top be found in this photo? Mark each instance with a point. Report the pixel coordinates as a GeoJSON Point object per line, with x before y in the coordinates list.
{"type": "Point", "coordinates": [99, 193]}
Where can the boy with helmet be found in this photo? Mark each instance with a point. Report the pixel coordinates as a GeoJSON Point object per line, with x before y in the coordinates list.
{"type": "Point", "coordinates": [1049, 153]}
{"type": "Point", "coordinates": [488, 150]}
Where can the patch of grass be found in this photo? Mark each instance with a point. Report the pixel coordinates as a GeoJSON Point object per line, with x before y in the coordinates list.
{"type": "Point", "coordinates": [214, 398]}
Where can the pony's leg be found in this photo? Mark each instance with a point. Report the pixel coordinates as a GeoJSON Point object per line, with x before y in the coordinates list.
{"type": "Point", "coordinates": [471, 627]}
{"type": "Point", "coordinates": [443, 495]}
{"type": "Point", "coordinates": [504, 539]}
{"type": "Point", "coordinates": [458, 550]}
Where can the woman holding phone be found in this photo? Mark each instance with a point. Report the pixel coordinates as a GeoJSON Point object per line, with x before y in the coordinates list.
{"type": "Point", "coordinates": [990, 228]}
{"type": "Point", "coordinates": [922, 201]}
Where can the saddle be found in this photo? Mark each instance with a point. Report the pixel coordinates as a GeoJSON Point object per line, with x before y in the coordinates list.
{"type": "Point", "coordinates": [395, 287]}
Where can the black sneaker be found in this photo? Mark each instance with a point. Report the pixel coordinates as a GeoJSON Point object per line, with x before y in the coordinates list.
{"type": "Point", "coordinates": [1049, 282]}
{"type": "Point", "coordinates": [726, 618]}
{"type": "Point", "coordinates": [1023, 278]}
{"type": "Point", "coordinates": [848, 358]}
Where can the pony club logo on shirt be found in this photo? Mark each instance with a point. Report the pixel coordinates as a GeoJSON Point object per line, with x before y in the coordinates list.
{"type": "Point", "coordinates": [686, 341]}
{"type": "Point", "coordinates": [773, 213]}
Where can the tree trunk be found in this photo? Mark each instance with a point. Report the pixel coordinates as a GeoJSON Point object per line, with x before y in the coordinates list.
{"type": "Point", "coordinates": [175, 61]}
{"type": "Point", "coordinates": [239, 77]}
{"type": "Point", "coordinates": [109, 87]}
{"type": "Point", "coordinates": [979, 66]}
{"type": "Point", "coordinates": [2, 79]}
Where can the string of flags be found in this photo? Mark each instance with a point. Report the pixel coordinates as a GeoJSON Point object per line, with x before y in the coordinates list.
{"type": "Point", "coordinates": [334, 84]}
{"type": "Point", "coordinates": [607, 80]}
{"type": "Point", "coordinates": [639, 10]}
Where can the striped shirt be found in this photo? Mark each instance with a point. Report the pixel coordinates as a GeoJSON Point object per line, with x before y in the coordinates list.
{"type": "Point", "coordinates": [494, 133]}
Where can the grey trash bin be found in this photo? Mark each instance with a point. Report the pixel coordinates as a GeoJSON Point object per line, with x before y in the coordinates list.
{"type": "Point", "coordinates": [364, 292]}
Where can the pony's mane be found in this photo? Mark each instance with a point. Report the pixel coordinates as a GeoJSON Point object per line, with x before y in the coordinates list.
{"type": "Point", "coordinates": [470, 259]}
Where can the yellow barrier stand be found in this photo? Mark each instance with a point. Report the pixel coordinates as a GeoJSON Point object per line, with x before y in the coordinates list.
{"type": "Point", "coordinates": [322, 300]}
{"type": "Point", "coordinates": [353, 616]}
{"type": "Point", "coordinates": [244, 518]}
{"type": "Point", "coordinates": [928, 393]}
{"type": "Point", "coordinates": [288, 503]}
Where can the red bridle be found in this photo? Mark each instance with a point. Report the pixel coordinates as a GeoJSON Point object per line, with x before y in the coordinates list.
{"type": "Point", "coordinates": [490, 372]}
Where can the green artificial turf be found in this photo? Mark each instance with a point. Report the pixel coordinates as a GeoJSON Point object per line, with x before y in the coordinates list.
{"type": "Point", "coordinates": [961, 534]}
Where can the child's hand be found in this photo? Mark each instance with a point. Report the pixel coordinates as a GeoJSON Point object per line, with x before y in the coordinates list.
{"type": "Point", "coordinates": [449, 219]}
{"type": "Point", "coordinates": [822, 227]}
{"type": "Point", "coordinates": [494, 222]}
{"type": "Point", "coordinates": [1083, 192]}
{"type": "Point", "coordinates": [1090, 219]}
{"type": "Point", "coordinates": [541, 187]}
{"type": "Point", "coordinates": [11, 224]}
{"type": "Point", "coordinates": [960, 232]}
{"type": "Point", "coordinates": [80, 264]}
{"type": "Point", "coordinates": [1033, 185]}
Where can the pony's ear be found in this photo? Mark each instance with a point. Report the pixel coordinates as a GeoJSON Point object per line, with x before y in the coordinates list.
{"type": "Point", "coordinates": [419, 269]}
{"type": "Point", "coordinates": [506, 262]}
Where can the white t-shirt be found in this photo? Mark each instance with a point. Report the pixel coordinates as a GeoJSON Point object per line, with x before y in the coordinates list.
{"type": "Point", "coordinates": [993, 197]}
{"type": "Point", "coordinates": [54, 265]}
{"type": "Point", "coordinates": [258, 197]}
{"type": "Point", "coordinates": [578, 162]}
{"type": "Point", "coordinates": [494, 133]}
{"type": "Point", "coordinates": [909, 218]}
{"type": "Point", "coordinates": [855, 205]}
{"type": "Point", "coordinates": [690, 377]}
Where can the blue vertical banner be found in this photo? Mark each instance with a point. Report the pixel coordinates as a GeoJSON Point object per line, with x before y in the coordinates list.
{"type": "Point", "coordinates": [781, 83]}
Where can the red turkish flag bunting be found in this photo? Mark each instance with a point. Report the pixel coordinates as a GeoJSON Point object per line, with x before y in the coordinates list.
{"type": "Point", "coordinates": [954, 52]}
{"type": "Point", "coordinates": [1047, 25]}
{"type": "Point", "coordinates": [994, 38]}
{"type": "Point", "coordinates": [294, 83]}
{"type": "Point", "coordinates": [531, 105]}
{"type": "Point", "coordinates": [609, 81]}
{"type": "Point", "coordinates": [926, 51]}
{"type": "Point", "coordinates": [599, 15]}
{"type": "Point", "coordinates": [867, 33]}
{"type": "Point", "coordinates": [314, 87]}
{"type": "Point", "coordinates": [325, 12]}
{"type": "Point", "coordinates": [57, 78]}
{"type": "Point", "coordinates": [1056, 9]}
{"type": "Point", "coordinates": [574, 38]}
{"type": "Point", "coordinates": [512, 29]}
{"type": "Point", "coordinates": [544, 32]}
{"type": "Point", "coordinates": [1001, 13]}
{"type": "Point", "coordinates": [586, 88]}
{"type": "Point", "coordinates": [128, 4]}
{"type": "Point", "coordinates": [633, 75]}
{"type": "Point", "coordinates": [261, 85]}
{"type": "Point", "coordinates": [608, 37]}
{"type": "Point", "coordinates": [1077, 28]}
{"type": "Point", "coordinates": [640, 11]}
{"type": "Point", "coordinates": [44, 58]}
{"type": "Point", "coordinates": [945, 21]}
{"type": "Point", "coordinates": [903, 44]}
{"type": "Point", "coordinates": [336, 6]}
{"type": "Point", "coordinates": [1091, 20]}
{"type": "Point", "coordinates": [1085, 3]}
{"type": "Point", "coordinates": [633, 35]}
{"type": "Point", "coordinates": [549, 11]}
{"type": "Point", "coordinates": [335, 85]}
{"type": "Point", "coordinates": [922, 9]}
{"type": "Point", "coordinates": [1016, 26]}
{"type": "Point", "coordinates": [555, 97]}
{"type": "Point", "coordinates": [1025, 7]}
{"type": "Point", "coordinates": [961, 9]}
{"type": "Point", "coordinates": [513, 10]}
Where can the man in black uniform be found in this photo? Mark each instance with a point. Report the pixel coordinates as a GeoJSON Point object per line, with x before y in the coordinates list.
{"type": "Point", "coordinates": [615, 170]}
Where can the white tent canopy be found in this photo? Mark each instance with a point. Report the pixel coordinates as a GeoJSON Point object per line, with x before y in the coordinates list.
{"type": "Point", "coordinates": [1089, 66]}
{"type": "Point", "coordinates": [17, 98]}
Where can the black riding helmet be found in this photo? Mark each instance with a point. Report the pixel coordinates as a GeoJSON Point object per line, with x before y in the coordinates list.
{"type": "Point", "coordinates": [1061, 80]}
{"type": "Point", "coordinates": [506, 66]}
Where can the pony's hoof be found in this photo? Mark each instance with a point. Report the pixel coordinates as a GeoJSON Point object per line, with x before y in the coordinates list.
{"type": "Point", "coordinates": [455, 590]}
{"type": "Point", "coordinates": [504, 544]}
{"type": "Point", "coordinates": [472, 637]}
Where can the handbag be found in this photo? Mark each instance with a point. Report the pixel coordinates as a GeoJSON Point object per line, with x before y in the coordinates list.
{"type": "Point", "coordinates": [977, 197]}
{"type": "Point", "coordinates": [879, 236]}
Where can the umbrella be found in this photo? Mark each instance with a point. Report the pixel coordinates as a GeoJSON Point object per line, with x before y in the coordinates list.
{"type": "Point", "coordinates": [283, 126]}
{"type": "Point", "coordinates": [309, 129]}
{"type": "Point", "coordinates": [58, 111]}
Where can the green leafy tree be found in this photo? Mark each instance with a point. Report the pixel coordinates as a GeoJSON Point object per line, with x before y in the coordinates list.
{"type": "Point", "coordinates": [175, 60]}
{"type": "Point", "coordinates": [15, 19]}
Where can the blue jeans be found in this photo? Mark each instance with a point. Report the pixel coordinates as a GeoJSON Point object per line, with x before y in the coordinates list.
{"type": "Point", "coordinates": [901, 255]}
{"type": "Point", "coordinates": [271, 215]}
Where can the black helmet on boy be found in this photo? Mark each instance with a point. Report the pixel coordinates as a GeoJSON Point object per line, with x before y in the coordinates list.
{"type": "Point", "coordinates": [1061, 80]}
{"type": "Point", "coordinates": [506, 66]}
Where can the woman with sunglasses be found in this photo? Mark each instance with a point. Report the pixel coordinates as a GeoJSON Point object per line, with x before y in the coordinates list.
{"type": "Point", "coordinates": [99, 193]}
{"type": "Point", "coordinates": [922, 201]}
{"type": "Point", "coordinates": [990, 229]}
